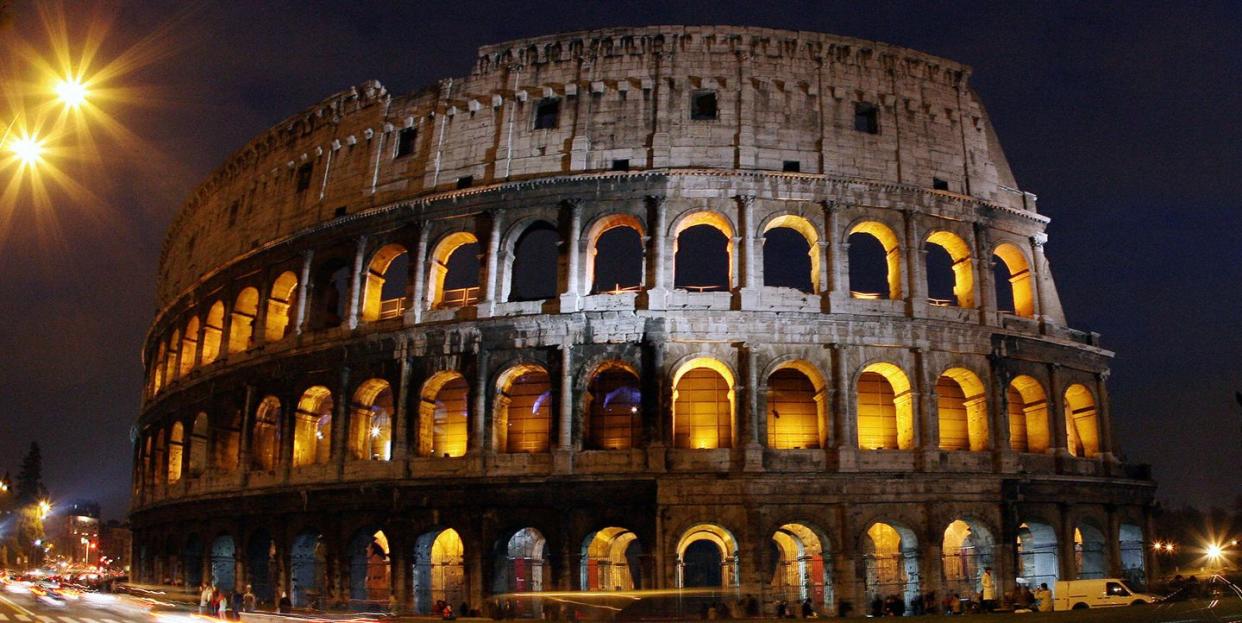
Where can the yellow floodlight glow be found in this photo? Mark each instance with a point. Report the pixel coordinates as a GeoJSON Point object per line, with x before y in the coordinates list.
{"type": "Point", "coordinates": [1215, 551]}
{"type": "Point", "coordinates": [28, 149]}
{"type": "Point", "coordinates": [71, 91]}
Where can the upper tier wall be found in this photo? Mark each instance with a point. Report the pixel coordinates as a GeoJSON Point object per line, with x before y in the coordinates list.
{"type": "Point", "coordinates": [625, 94]}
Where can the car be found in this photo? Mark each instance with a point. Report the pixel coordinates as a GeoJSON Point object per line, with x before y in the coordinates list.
{"type": "Point", "coordinates": [1097, 593]}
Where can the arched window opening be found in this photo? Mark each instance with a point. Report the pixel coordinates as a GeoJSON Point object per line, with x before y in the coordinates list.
{"type": "Point", "coordinates": [439, 572]}
{"type": "Point", "coordinates": [950, 271]}
{"type": "Point", "coordinates": [369, 570]}
{"type": "Point", "coordinates": [616, 261]}
{"type": "Point", "coordinates": [795, 407]}
{"type": "Point", "coordinates": [703, 405]}
{"type": "Point", "coordinates": [611, 561]}
{"type": "Point", "coordinates": [965, 553]}
{"type": "Point", "coordinates": [803, 567]}
{"type": "Point", "coordinates": [241, 322]}
{"type": "Point", "coordinates": [875, 262]}
{"type": "Point", "coordinates": [308, 570]}
{"type": "Point", "coordinates": [312, 428]}
{"type": "Point", "coordinates": [174, 344]}
{"type": "Point", "coordinates": [1037, 554]}
{"type": "Point", "coordinates": [1014, 291]}
{"type": "Point", "coordinates": [791, 254]}
{"type": "Point", "coordinates": [330, 295]}
{"type": "Point", "coordinates": [189, 347]}
{"type": "Point", "coordinates": [1081, 425]}
{"type": "Point", "coordinates": [535, 263]}
{"type": "Point", "coordinates": [524, 410]}
{"type": "Point", "coordinates": [885, 409]}
{"type": "Point", "coordinates": [1132, 547]}
{"type": "Point", "coordinates": [387, 281]}
{"type": "Point", "coordinates": [157, 367]}
{"type": "Point", "coordinates": [443, 416]}
{"type": "Point", "coordinates": [280, 307]}
{"type": "Point", "coordinates": [223, 563]}
{"type": "Point", "coordinates": [261, 564]}
{"type": "Point", "coordinates": [265, 439]}
{"type": "Point", "coordinates": [522, 567]}
{"type": "Point", "coordinates": [891, 557]}
{"type": "Point", "coordinates": [961, 402]}
{"type": "Point", "coordinates": [1090, 558]}
{"type": "Point", "coordinates": [198, 445]}
{"type": "Point", "coordinates": [707, 558]}
{"type": "Point", "coordinates": [703, 259]}
{"type": "Point", "coordinates": [176, 446]}
{"type": "Point", "coordinates": [213, 332]}
{"type": "Point", "coordinates": [370, 422]}
{"type": "Point", "coordinates": [1029, 430]}
{"type": "Point", "coordinates": [614, 408]}
{"type": "Point", "coordinates": [226, 442]}
{"type": "Point", "coordinates": [455, 268]}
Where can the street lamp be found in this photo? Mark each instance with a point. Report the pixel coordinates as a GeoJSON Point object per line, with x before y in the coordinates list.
{"type": "Point", "coordinates": [28, 149]}
{"type": "Point", "coordinates": [71, 92]}
{"type": "Point", "coordinates": [45, 509]}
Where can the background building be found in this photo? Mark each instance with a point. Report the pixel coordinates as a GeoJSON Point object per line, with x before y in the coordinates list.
{"type": "Point", "coordinates": [754, 310]}
{"type": "Point", "coordinates": [74, 532]}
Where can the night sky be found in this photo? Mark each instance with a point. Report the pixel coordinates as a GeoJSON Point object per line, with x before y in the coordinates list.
{"type": "Point", "coordinates": [1125, 120]}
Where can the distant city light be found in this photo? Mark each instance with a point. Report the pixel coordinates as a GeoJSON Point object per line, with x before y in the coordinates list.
{"type": "Point", "coordinates": [71, 92]}
{"type": "Point", "coordinates": [28, 149]}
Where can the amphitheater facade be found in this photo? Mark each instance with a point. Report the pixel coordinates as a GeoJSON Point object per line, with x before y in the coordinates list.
{"type": "Point", "coordinates": [753, 310]}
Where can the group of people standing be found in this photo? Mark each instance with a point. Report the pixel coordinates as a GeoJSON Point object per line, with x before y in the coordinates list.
{"type": "Point", "coordinates": [224, 604]}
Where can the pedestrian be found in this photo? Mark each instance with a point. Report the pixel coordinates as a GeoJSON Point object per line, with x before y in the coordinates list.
{"type": "Point", "coordinates": [284, 606]}
{"type": "Point", "coordinates": [464, 609]}
{"type": "Point", "coordinates": [1044, 597]}
{"type": "Point", "coordinates": [249, 600]}
{"type": "Point", "coordinates": [781, 609]}
{"type": "Point", "coordinates": [808, 611]}
{"type": "Point", "coordinates": [204, 598]}
{"type": "Point", "coordinates": [447, 613]}
{"type": "Point", "coordinates": [987, 590]}
{"type": "Point", "coordinates": [222, 607]}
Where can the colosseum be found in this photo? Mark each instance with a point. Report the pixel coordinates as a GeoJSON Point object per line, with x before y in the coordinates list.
{"type": "Point", "coordinates": [756, 311]}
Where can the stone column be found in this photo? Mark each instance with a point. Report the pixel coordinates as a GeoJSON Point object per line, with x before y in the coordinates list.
{"type": "Point", "coordinates": [226, 331]}
{"type": "Point", "coordinates": [340, 421]}
{"type": "Point", "coordinates": [299, 320]}
{"type": "Point", "coordinates": [489, 296]}
{"type": "Point", "coordinates": [1112, 540]}
{"type": "Point", "coordinates": [1104, 414]}
{"type": "Point", "coordinates": [200, 341]}
{"type": "Point", "coordinates": [926, 413]}
{"type": "Point", "coordinates": [401, 419]}
{"type": "Point", "coordinates": [563, 457]}
{"type": "Point", "coordinates": [418, 305]}
{"type": "Point", "coordinates": [1036, 267]}
{"type": "Point", "coordinates": [752, 265]}
{"type": "Point", "coordinates": [655, 409]}
{"type": "Point", "coordinates": [571, 299]}
{"type": "Point", "coordinates": [985, 276]}
{"type": "Point", "coordinates": [258, 330]}
{"type": "Point", "coordinates": [845, 424]}
{"type": "Point", "coordinates": [1004, 458]}
{"type": "Point", "coordinates": [657, 293]}
{"type": "Point", "coordinates": [916, 283]}
{"type": "Point", "coordinates": [1067, 567]}
{"type": "Point", "coordinates": [478, 411]}
{"type": "Point", "coordinates": [1056, 411]}
{"type": "Point", "coordinates": [753, 451]}
{"type": "Point", "coordinates": [243, 458]}
{"type": "Point", "coordinates": [356, 284]}
{"type": "Point", "coordinates": [836, 264]}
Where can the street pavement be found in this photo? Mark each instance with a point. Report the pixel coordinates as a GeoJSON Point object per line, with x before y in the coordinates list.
{"type": "Point", "coordinates": [29, 608]}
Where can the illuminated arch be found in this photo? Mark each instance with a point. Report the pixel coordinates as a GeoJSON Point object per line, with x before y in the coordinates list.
{"type": "Point", "coordinates": [885, 408]}
{"type": "Point", "coordinates": [374, 306]}
{"type": "Point", "coordinates": [370, 422]}
{"type": "Point", "coordinates": [1037, 553]}
{"type": "Point", "coordinates": [527, 242]}
{"type": "Point", "coordinates": [523, 410]}
{"type": "Point", "coordinates": [158, 366]}
{"type": "Point", "coordinates": [213, 332]}
{"type": "Point", "coordinates": [962, 405]}
{"type": "Point", "coordinates": [199, 433]}
{"type": "Point", "coordinates": [610, 561]}
{"type": "Point", "coordinates": [241, 321]}
{"type": "Point", "coordinates": [439, 570]}
{"type": "Point", "coordinates": [703, 404]}
{"type": "Point", "coordinates": [803, 571]}
{"type": "Point", "coordinates": [714, 220]}
{"type": "Point", "coordinates": [1019, 279]}
{"type": "Point", "coordinates": [807, 231]}
{"type": "Point", "coordinates": [1132, 547]}
{"type": "Point", "coordinates": [707, 557]}
{"type": "Point", "coordinates": [176, 446]}
{"type": "Point", "coordinates": [967, 549]}
{"type": "Point", "coordinates": [265, 435]}
{"type": "Point", "coordinates": [892, 255]}
{"type": "Point", "coordinates": [1090, 554]}
{"type": "Point", "coordinates": [1081, 421]}
{"type": "Point", "coordinates": [225, 441]}
{"type": "Point", "coordinates": [1029, 430]}
{"type": "Point", "coordinates": [796, 406]}
{"type": "Point", "coordinates": [312, 428]}
{"type": "Point", "coordinates": [438, 274]}
{"type": "Point", "coordinates": [280, 307]}
{"type": "Point", "coordinates": [444, 415]}
{"type": "Point", "coordinates": [595, 232]}
{"type": "Point", "coordinates": [891, 557]}
{"type": "Point", "coordinates": [612, 405]}
{"type": "Point", "coordinates": [963, 266]}
{"type": "Point", "coordinates": [170, 364]}
{"type": "Point", "coordinates": [370, 568]}
{"type": "Point", "coordinates": [189, 346]}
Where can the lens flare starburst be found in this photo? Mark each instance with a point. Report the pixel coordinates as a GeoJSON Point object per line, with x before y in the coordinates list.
{"type": "Point", "coordinates": [27, 149]}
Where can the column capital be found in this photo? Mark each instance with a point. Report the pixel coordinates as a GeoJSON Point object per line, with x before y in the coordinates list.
{"type": "Point", "coordinates": [656, 201]}
{"type": "Point", "coordinates": [573, 203]}
{"type": "Point", "coordinates": [1039, 240]}
{"type": "Point", "coordinates": [831, 206]}
{"type": "Point", "coordinates": [1103, 375]}
{"type": "Point", "coordinates": [747, 201]}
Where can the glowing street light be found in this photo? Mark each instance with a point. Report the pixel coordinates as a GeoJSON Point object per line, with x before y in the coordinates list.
{"type": "Point", "coordinates": [45, 509]}
{"type": "Point", "coordinates": [1215, 551]}
{"type": "Point", "coordinates": [28, 149]}
{"type": "Point", "coordinates": [71, 91]}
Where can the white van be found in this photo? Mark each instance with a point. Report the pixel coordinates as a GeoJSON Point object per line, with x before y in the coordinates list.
{"type": "Point", "coordinates": [1101, 593]}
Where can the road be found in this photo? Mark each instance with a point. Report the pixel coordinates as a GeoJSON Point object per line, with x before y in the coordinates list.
{"type": "Point", "coordinates": [27, 608]}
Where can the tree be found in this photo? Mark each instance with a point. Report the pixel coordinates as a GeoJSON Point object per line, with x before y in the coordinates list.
{"type": "Point", "coordinates": [30, 487]}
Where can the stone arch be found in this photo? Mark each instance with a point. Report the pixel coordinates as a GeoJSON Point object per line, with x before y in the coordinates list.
{"type": "Point", "coordinates": [612, 407]}
{"type": "Point", "coordinates": [225, 440]}
{"type": "Point", "coordinates": [1090, 551]}
{"type": "Point", "coordinates": [444, 415]}
{"type": "Point", "coordinates": [387, 277]}
{"type": "Point", "coordinates": [624, 232]}
{"type": "Point", "coordinates": [962, 408]}
{"type": "Point", "coordinates": [453, 281]}
{"type": "Point", "coordinates": [157, 367]}
{"type": "Point", "coordinates": [1132, 546]}
{"type": "Point", "coordinates": [370, 421]}
{"type": "Point", "coordinates": [1019, 296]}
{"type": "Point", "coordinates": [611, 561]}
{"type": "Point", "coordinates": [707, 557]}
{"type": "Point", "coordinates": [213, 332]}
{"type": "Point", "coordinates": [522, 567]}
{"type": "Point", "coordinates": [241, 321]}
{"type": "Point", "coordinates": [312, 427]}
{"type": "Point", "coordinates": [308, 570]}
{"type": "Point", "coordinates": [265, 435]}
{"type": "Point", "coordinates": [189, 346]}
{"type": "Point", "coordinates": [701, 224]}
{"type": "Point", "coordinates": [200, 431]}
{"type": "Point", "coordinates": [967, 549]}
{"type": "Point", "coordinates": [439, 570]}
{"type": "Point", "coordinates": [797, 405]}
{"type": "Point", "coordinates": [370, 569]}
{"type": "Point", "coordinates": [803, 566]}
{"type": "Point", "coordinates": [891, 246]}
{"type": "Point", "coordinates": [1037, 553]}
{"type": "Point", "coordinates": [224, 563]}
{"type": "Point", "coordinates": [523, 410]}
{"type": "Point", "coordinates": [885, 408]}
{"type": "Point", "coordinates": [176, 449]}
{"type": "Point", "coordinates": [961, 266]}
{"type": "Point", "coordinates": [534, 260]}
{"type": "Point", "coordinates": [1029, 429]}
{"type": "Point", "coordinates": [806, 279]}
{"type": "Point", "coordinates": [1081, 421]}
{"type": "Point", "coordinates": [279, 306]}
{"type": "Point", "coordinates": [703, 404]}
{"type": "Point", "coordinates": [891, 561]}
{"type": "Point", "coordinates": [170, 364]}
{"type": "Point", "coordinates": [329, 292]}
